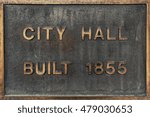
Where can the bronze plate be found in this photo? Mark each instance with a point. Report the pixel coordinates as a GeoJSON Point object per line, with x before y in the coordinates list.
{"type": "Point", "coordinates": [78, 51]}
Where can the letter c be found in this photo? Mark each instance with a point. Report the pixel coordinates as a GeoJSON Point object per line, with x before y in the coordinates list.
{"type": "Point", "coordinates": [25, 35]}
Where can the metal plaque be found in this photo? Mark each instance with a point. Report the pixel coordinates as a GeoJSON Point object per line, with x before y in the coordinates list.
{"type": "Point", "coordinates": [75, 50]}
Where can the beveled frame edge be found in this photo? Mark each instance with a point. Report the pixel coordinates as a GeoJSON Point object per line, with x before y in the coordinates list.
{"type": "Point", "coordinates": [148, 52]}
{"type": "Point", "coordinates": [146, 2]}
{"type": "Point", "coordinates": [73, 1]}
{"type": "Point", "coordinates": [1, 53]}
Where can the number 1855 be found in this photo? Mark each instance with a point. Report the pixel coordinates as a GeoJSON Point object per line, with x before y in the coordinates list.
{"type": "Point", "coordinates": [109, 67]}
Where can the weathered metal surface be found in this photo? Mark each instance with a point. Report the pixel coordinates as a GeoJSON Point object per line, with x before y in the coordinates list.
{"type": "Point", "coordinates": [77, 82]}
